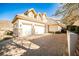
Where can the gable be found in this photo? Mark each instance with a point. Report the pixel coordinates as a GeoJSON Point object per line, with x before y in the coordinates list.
{"type": "Point", "coordinates": [38, 17]}
{"type": "Point", "coordinates": [31, 15]}
{"type": "Point", "coordinates": [30, 12]}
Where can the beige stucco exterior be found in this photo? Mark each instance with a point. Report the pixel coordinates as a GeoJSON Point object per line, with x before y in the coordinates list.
{"type": "Point", "coordinates": [32, 23]}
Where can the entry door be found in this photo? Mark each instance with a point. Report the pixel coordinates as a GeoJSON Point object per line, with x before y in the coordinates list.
{"type": "Point", "coordinates": [39, 29]}
{"type": "Point", "coordinates": [27, 30]}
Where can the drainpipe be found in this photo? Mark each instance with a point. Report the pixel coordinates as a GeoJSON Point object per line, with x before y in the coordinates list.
{"type": "Point", "coordinates": [46, 28]}
{"type": "Point", "coordinates": [33, 29]}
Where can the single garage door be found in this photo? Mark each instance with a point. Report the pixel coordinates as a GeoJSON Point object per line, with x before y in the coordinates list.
{"type": "Point", "coordinates": [27, 30]}
{"type": "Point", "coordinates": [39, 29]}
{"type": "Point", "coordinates": [53, 28]}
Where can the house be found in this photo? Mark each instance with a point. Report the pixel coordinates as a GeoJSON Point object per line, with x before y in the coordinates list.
{"type": "Point", "coordinates": [31, 23]}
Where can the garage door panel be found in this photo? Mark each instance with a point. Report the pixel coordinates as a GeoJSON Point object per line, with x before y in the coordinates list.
{"type": "Point", "coordinates": [53, 28]}
{"type": "Point", "coordinates": [39, 29]}
{"type": "Point", "coordinates": [27, 30]}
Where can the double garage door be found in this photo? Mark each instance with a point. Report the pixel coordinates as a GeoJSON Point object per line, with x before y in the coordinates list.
{"type": "Point", "coordinates": [28, 30]}
{"type": "Point", "coordinates": [39, 29]}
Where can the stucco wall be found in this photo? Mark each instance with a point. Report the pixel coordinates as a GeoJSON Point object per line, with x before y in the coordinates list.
{"type": "Point", "coordinates": [44, 18]}
{"type": "Point", "coordinates": [21, 26]}
{"type": "Point", "coordinates": [38, 17]}
{"type": "Point", "coordinates": [29, 22]}
{"type": "Point", "coordinates": [15, 28]}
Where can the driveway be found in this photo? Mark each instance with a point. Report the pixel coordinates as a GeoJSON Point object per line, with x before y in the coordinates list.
{"type": "Point", "coordinates": [41, 45]}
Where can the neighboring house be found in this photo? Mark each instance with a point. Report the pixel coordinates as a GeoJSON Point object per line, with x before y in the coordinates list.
{"type": "Point", "coordinates": [31, 23]}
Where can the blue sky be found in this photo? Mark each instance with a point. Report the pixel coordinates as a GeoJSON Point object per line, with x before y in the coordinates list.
{"type": "Point", "coordinates": [9, 10]}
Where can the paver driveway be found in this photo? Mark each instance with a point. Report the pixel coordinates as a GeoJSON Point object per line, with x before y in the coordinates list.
{"type": "Point", "coordinates": [47, 45]}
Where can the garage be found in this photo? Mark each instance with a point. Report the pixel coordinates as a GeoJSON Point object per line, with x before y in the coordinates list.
{"type": "Point", "coordinates": [39, 29]}
{"type": "Point", "coordinates": [26, 30]}
{"type": "Point", "coordinates": [53, 28]}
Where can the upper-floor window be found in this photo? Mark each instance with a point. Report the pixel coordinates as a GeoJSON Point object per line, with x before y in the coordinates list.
{"type": "Point", "coordinates": [30, 14]}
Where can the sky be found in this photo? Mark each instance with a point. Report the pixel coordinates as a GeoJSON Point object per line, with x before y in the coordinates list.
{"type": "Point", "coordinates": [9, 10]}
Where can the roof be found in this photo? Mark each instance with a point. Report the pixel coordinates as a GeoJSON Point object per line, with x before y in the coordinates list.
{"type": "Point", "coordinates": [25, 17]}
{"type": "Point", "coordinates": [31, 10]}
{"type": "Point", "coordinates": [48, 20]}
{"type": "Point", "coordinates": [55, 21]}
{"type": "Point", "coordinates": [52, 20]}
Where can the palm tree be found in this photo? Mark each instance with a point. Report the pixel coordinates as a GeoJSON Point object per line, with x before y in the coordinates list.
{"type": "Point", "coordinates": [66, 11]}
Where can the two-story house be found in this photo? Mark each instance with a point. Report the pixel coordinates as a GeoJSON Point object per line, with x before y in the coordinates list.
{"type": "Point", "coordinates": [32, 23]}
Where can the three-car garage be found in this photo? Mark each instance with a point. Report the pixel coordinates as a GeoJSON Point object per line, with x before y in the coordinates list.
{"type": "Point", "coordinates": [32, 29]}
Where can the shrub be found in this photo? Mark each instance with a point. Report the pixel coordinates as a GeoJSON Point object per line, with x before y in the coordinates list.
{"type": "Point", "coordinates": [74, 29]}
{"type": "Point", "coordinates": [9, 32]}
{"type": "Point", "coordinates": [63, 30]}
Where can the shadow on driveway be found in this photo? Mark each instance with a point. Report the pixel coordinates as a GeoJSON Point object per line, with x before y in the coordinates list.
{"type": "Point", "coordinates": [49, 45]}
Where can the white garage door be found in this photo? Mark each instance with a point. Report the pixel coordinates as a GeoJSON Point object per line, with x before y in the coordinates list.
{"type": "Point", "coordinates": [39, 29]}
{"type": "Point", "coordinates": [53, 28]}
{"type": "Point", "coordinates": [27, 30]}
